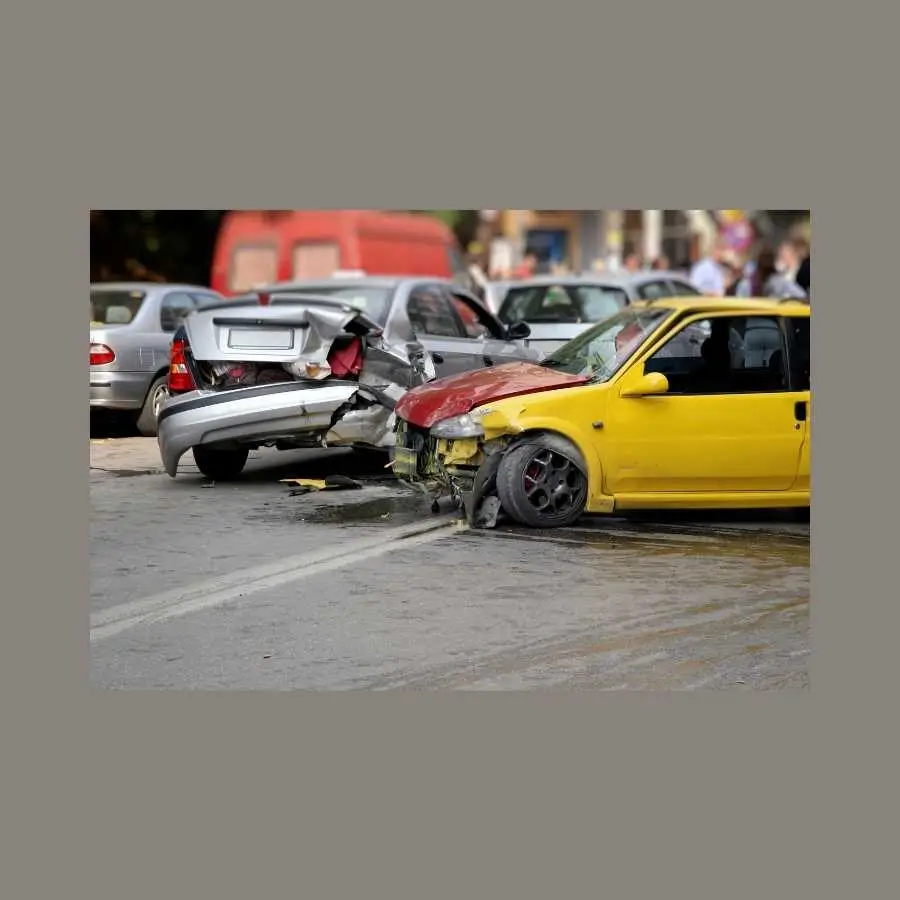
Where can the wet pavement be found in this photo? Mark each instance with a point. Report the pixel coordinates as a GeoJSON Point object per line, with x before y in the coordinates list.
{"type": "Point", "coordinates": [243, 586]}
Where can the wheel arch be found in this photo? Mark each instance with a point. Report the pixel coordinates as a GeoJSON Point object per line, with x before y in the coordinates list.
{"type": "Point", "coordinates": [161, 373]}
{"type": "Point", "coordinates": [588, 457]}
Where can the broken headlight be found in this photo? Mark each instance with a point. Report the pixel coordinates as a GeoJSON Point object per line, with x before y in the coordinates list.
{"type": "Point", "coordinates": [457, 428]}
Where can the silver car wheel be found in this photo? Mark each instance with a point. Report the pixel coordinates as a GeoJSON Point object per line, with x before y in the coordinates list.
{"type": "Point", "coordinates": [159, 397]}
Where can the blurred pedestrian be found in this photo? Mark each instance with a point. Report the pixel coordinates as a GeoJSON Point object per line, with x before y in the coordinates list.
{"type": "Point", "coordinates": [708, 275]}
{"type": "Point", "coordinates": [527, 268]}
{"type": "Point", "coordinates": [791, 255]}
{"type": "Point", "coordinates": [660, 264]}
{"type": "Point", "coordinates": [634, 262]}
{"type": "Point", "coordinates": [767, 281]}
{"type": "Point", "coordinates": [733, 270]}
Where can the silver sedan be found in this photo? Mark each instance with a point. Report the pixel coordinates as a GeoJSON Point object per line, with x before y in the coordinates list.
{"type": "Point", "coordinates": [315, 364]}
{"type": "Point", "coordinates": [132, 324]}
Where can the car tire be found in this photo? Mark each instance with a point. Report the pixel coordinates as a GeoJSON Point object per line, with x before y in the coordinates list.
{"type": "Point", "coordinates": [149, 414]}
{"type": "Point", "coordinates": [220, 465]}
{"type": "Point", "coordinates": [542, 483]}
{"type": "Point", "coordinates": [801, 514]}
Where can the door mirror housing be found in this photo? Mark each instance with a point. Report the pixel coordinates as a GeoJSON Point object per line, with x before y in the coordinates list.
{"type": "Point", "coordinates": [518, 331]}
{"type": "Point", "coordinates": [650, 385]}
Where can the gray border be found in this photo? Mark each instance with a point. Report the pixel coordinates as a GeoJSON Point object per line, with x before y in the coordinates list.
{"type": "Point", "coordinates": [198, 795]}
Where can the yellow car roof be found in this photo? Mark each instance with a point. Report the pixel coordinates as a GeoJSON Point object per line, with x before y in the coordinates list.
{"type": "Point", "coordinates": [724, 304]}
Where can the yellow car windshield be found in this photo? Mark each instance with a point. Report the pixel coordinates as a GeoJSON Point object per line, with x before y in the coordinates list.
{"type": "Point", "coordinates": [602, 350]}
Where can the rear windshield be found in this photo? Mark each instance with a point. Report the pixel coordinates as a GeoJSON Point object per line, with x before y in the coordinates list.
{"type": "Point", "coordinates": [562, 303]}
{"type": "Point", "coordinates": [115, 307]}
{"type": "Point", "coordinates": [374, 301]}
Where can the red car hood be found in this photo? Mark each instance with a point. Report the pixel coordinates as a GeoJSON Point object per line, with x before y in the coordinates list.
{"type": "Point", "coordinates": [456, 395]}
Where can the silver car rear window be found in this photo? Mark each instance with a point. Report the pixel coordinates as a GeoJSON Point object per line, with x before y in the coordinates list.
{"type": "Point", "coordinates": [115, 307]}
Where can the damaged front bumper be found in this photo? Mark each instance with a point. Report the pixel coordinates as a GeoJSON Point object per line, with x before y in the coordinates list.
{"type": "Point", "coordinates": [462, 470]}
{"type": "Point", "coordinates": [330, 413]}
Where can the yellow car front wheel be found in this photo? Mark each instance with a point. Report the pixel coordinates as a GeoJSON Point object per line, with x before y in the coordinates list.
{"type": "Point", "coordinates": [542, 482]}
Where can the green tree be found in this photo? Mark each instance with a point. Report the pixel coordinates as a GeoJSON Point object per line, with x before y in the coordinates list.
{"type": "Point", "coordinates": [463, 222]}
{"type": "Point", "coordinates": [153, 244]}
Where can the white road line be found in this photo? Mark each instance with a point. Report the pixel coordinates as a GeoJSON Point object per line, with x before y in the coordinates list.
{"type": "Point", "coordinates": [215, 591]}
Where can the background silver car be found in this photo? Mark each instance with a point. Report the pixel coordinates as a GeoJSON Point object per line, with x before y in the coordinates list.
{"type": "Point", "coordinates": [319, 364]}
{"type": "Point", "coordinates": [132, 324]}
{"type": "Point", "coordinates": [559, 308]}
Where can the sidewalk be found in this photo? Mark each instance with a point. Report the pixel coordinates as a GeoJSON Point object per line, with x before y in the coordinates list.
{"type": "Point", "coordinates": [135, 454]}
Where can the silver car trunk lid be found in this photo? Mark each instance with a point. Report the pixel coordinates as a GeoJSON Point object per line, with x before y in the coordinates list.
{"type": "Point", "coordinates": [284, 331]}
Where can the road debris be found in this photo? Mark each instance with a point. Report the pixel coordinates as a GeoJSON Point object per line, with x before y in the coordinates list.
{"type": "Point", "coordinates": [301, 486]}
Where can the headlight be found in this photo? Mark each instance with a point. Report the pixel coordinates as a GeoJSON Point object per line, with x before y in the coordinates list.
{"type": "Point", "coordinates": [457, 428]}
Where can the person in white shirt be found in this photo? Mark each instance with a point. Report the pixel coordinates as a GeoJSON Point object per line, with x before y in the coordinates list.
{"type": "Point", "coordinates": [707, 274]}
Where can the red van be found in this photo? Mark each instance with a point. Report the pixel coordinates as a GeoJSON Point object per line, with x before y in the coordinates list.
{"type": "Point", "coordinates": [257, 247]}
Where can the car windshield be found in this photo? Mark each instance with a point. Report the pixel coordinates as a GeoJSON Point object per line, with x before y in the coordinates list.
{"type": "Point", "coordinates": [374, 301]}
{"type": "Point", "coordinates": [562, 303]}
{"type": "Point", "coordinates": [602, 350]}
{"type": "Point", "coordinates": [115, 307]}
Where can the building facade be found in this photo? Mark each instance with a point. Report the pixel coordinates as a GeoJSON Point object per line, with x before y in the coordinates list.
{"type": "Point", "coordinates": [581, 240]}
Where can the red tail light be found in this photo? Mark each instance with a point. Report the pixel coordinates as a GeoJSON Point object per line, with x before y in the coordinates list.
{"type": "Point", "coordinates": [101, 355]}
{"type": "Point", "coordinates": [180, 379]}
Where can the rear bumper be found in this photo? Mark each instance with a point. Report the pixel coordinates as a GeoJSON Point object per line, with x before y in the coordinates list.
{"type": "Point", "coordinates": [119, 390]}
{"type": "Point", "coordinates": [253, 415]}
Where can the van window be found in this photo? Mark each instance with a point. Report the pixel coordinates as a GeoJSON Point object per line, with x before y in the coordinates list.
{"type": "Point", "coordinates": [253, 267]}
{"type": "Point", "coordinates": [315, 260]}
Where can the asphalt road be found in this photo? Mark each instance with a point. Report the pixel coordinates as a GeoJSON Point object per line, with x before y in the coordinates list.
{"type": "Point", "coordinates": [243, 586]}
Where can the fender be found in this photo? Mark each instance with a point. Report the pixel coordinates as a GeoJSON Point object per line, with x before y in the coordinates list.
{"type": "Point", "coordinates": [597, 501]}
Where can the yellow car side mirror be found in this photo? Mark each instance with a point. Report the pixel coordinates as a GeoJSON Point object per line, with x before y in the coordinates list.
{"type": "Point", "coordinates": [650, 385]}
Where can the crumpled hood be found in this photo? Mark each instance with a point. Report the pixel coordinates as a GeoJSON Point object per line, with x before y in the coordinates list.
{"type": "Point", "coordinates": [429, 404]}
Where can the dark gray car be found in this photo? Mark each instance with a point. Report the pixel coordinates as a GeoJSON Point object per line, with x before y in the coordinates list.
{"type": "Point", "coordinates": [559, 308]}
{"type": "Point", "coordinates": [132, 324]}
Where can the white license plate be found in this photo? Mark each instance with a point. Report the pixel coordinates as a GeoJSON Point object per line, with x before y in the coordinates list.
{"type": "Point", "coordinates": [260, 339]}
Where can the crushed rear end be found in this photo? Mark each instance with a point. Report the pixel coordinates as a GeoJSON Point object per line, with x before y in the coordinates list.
{"type": "Point", "coordinates": [295, 372]}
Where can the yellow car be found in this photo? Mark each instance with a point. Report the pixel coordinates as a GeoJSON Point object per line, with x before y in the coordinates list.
{"type": "Point", "coordinates": [677, 403]}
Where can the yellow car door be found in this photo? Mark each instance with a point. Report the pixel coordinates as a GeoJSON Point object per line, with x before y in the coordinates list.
{"type": "Point", "coordinates": [798, 331]}
{"type": "Point", "coordinates": [729, 421]}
